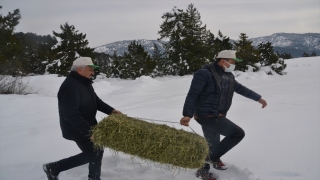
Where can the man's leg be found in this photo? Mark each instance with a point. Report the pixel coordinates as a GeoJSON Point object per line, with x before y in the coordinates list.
{"type": "Point", "coordinates": [88, 155]}
{"type": "Point", "coordinates": [95, 167]}
{"type": "Point", "coordinates": [213, 139]}
{"type": "Point", "coordinates": [221, 125]}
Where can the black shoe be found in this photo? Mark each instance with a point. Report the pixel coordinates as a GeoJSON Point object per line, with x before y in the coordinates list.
{"type": "Point", "coordinates": [51, 170]}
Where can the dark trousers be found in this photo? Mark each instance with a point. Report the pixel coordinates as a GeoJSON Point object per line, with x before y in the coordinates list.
{"type": "Point", "coordinates": [212, 128]}
{"type": "Point", "coordinates": [88, 155]}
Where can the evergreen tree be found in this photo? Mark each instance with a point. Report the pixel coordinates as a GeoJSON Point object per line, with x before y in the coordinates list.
{"type": "Point", "coordinates": [117, 65]}
{"type": "Point", "coordinates": [284, 55]}
{"type": "Point", "coordinates": [72, 45]}
{"type": "Point", "coordinates": [36, 52]}
{"type": "Point", "coordinates": [135, 63]}
{"type": "Point", "coordinates": [171, 29]}
{"type": "Point", "coordinates": [158, 59]}
{"type": "Point", "coordinates": [104, 61]}
{"type": "Point", "coordinates": [269, 58]}
{"type": "Point", "coordinates": [246, 52]}
{"type": "Point", "coordinates": [267, 55]}
{"type": "Point", "coordinates": [305, 54]}
{"type": "Point", "coordinates": [313, 54]}
{"type": "Point", "coordinates": [186, 49]}
{"type": "Point", "coordinates": [9, 43]}
{"type": "Point", "coordinates": [279, 66]}
{"type": "Point", "coordinates": [217, 44]}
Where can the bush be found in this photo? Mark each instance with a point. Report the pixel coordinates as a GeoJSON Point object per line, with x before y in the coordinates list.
{"type": "Point", "coordinates": [13, 85]}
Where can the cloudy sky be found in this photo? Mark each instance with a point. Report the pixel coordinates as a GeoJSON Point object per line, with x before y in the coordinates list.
{"type": "Point", "coordinates": [106, 21]}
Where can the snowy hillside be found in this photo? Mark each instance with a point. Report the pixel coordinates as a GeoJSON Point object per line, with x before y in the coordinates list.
{"type": "Point", "coordinates": [122, 46]}
{"type": "Point", "coordinates": [282, 141]}
{"type": "Point", "coordinates": [295, 44]}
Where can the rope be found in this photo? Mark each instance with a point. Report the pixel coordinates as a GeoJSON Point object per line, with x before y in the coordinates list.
{"type": "Point", "coordinates": [163, 121]}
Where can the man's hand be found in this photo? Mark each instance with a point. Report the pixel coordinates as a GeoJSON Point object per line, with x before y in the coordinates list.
{"type": "Point", "coordinates": [116, 112]}
{"type": "Point", "coordinates": [263, 102]}
{"type": "Point", "coordinates": [92, 137]}
{"type": "Point", "coordinates": [185, 121]}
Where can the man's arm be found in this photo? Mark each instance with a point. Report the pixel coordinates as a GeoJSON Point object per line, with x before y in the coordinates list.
{"type": "Point", "coordinates": [197, 85]}
{"type": "Point", "coordinates": [244, 91]}
{"type": "Point", "coordinates": [69, 104]}
{"type": "Point", "coordinates": [104, 107]}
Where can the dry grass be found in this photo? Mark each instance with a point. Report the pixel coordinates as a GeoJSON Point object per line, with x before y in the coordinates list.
{"type": "Point", "coordinates": [151, 142]}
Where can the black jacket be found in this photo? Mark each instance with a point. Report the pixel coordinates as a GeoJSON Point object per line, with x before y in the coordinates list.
{"type": "Point", "coordinates": [78, 105]}
{"type": "Point", "coordinates": [211, 92]}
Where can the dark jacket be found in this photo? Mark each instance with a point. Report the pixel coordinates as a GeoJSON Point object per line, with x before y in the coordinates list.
{"type": "Point", "coordinates": [78, 105]}
{"type": "Point", "coordinates": [211, 92]}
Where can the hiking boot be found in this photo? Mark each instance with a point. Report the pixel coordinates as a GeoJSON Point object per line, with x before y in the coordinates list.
{"type": "Point", "coordinates": [203, 173]}
{"type": "Point", "coordinates": [219, 165]}
{"type": "Point", "coordinates": [51, 169]}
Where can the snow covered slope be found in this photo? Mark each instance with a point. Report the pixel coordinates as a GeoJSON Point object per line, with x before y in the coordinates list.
{"type": "Point", "coordinates": [282, 141]}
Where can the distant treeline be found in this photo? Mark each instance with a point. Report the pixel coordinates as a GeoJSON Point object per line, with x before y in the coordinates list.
{"type": "Point", "coordinates": [190, 46]}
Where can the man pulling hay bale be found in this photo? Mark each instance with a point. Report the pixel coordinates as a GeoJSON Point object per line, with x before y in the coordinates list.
{"type": "Point", "coordinates": [149, 141]}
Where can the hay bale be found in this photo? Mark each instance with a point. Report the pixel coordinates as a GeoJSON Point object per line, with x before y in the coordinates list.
{"type": "Point", "coordinates": [149, 141]}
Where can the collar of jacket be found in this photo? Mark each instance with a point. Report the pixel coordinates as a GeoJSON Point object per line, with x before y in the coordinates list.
{"type": "Point", "coordinates": [82, 79]}
{"type": "Point", "coordinates": [218, 68]}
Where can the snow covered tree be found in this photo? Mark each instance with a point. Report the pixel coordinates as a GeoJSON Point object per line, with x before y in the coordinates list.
{"type": "Point", "coordinates": [267, 55]}
{"type": "Point", "coordinates": [135, 63]}
{"type": "Point", "coordinates": [284, 55]}
{"type": "Point", "coordinates": [305, 54]}
{"type": "Point", "coordinates": [9, 43]}
{"type": "Point", "coordinates": [269, 58]}
{"type": "Point", "coordinates": [246, 52]}
{"type": "Point", "coordinates": [158, 58]}
{"type": "Point", "coordinates": [217, 44]}
{"type": "Point", "coordinates": [104, 61]}
{"type": "Point", "coordinates": [36, 52]}
{"type": "Point", "coordinates": [185, 51]}
{"type": "Point", "coordinates": [71, 46]}
{"type": "Point", "coordinates": [313, 54]}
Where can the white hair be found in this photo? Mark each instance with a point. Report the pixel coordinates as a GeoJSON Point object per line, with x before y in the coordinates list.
{"type": "Point", "coordinates": [74, 68]}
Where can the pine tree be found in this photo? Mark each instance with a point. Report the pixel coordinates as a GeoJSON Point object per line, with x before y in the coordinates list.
{"type": "Point", "coordinates": [36, 52]}
{"type": "Point", "coordinates": [135, 63]}
{"type": "Point", "coordinates": [269, 58]}
{"type": "Point", "coordinates": [313, 54]}
{"type": "Point", "coordinates": [217, 44]}
{"type": "Point", "coordinates": [72, 45]}
{"type": "Point", "coordinates": [305, 54]}
{"type": "Point", "coordinates": [157, 57]}
{"type": "Point", "coordinates": [104, 61]}
{"type": "Point", "coordinates": [246, 52]}
{"type": "Point", "coordinates": [284, 55]}
{"type": "Point", "coordinates": [171, 29]}
{"type": "Point", "coordinates": [267, 55]}
{"type": "Point", "coordinates": [9, 43]}
{"type": "Point", "coordinates": [186, 49]}
{"type": "Point", "coordinates": [194, 36]}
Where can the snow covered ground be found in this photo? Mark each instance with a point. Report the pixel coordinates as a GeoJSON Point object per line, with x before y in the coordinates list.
{"type": "Point", "coordinates": [282, 141]}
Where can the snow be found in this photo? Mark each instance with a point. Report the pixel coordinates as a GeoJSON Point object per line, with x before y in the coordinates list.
{"type": "Point", "coordinates": [282, 141]}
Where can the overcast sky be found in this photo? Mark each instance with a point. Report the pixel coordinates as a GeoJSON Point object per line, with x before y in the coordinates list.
{"type": "Point", "coordinates": [106, 21]}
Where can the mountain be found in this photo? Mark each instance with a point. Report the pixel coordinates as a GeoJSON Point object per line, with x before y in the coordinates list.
{"type": "Point", "coordinates": [122, 46]}
{"type": "Point", "coordinates": [295, 44]}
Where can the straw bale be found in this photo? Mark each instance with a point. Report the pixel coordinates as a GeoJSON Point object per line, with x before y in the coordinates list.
{"type": "Point", "coordinates": [152, 142]}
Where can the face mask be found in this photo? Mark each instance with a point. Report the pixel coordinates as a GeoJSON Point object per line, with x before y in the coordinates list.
{"type": "Point", "coordinates": [230, 68]}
